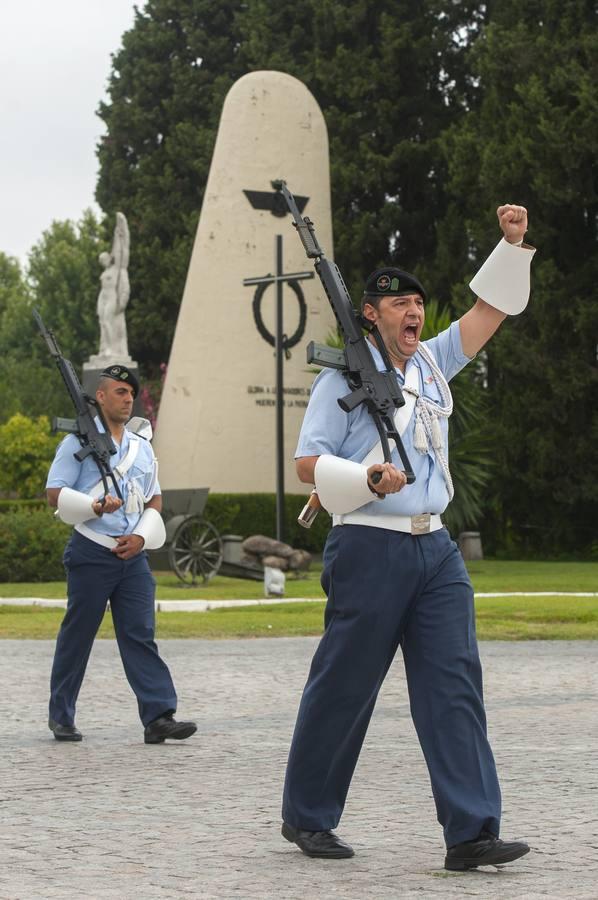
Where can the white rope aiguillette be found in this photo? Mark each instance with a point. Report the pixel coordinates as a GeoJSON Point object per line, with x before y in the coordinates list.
{"type": "Point", "coordinates": [428, 431]}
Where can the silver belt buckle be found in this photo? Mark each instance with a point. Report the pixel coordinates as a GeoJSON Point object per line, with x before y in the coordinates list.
{"type": "Point", "coordinates": [420, 524]}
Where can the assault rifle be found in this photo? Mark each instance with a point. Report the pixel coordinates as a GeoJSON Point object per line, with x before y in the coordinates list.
{"type": "Point", "coordinates": [93, 441]}
{"type": "Point", "coordinates": [380, 391]}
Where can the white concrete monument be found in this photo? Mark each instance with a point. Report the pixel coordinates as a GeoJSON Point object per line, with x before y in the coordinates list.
{"type": "Point", "coordinates": [216, 424]}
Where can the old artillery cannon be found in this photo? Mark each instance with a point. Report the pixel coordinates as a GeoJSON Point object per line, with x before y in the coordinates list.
{"type": "Point", "coordinates": [195, 551]}
{"type": "Point", "coordinates": [193, 548]}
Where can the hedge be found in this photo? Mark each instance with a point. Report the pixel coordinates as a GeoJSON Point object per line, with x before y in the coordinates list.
{"type": "Point", "coordinates": [11, 505]}
{"type": "Point", "coordinates": [26, 451]}
{"type": "Point", "coordinates": [247, 514]}
{"type": "Point", "coordinates": [32, 541]}
{"type": "Point", "coordinates": [31, 545]}
{"type": "Point", "coordinates": [242, 514]}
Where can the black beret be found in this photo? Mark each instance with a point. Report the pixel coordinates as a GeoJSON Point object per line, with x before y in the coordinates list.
{"type": "Point", "coordinates": [392, 282]}
{"type": "Point", "coordinates": [121, 373]}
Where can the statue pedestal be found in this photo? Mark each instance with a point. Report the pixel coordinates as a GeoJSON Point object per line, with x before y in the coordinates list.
{"type": "Point", "coordinates": [93, 368]}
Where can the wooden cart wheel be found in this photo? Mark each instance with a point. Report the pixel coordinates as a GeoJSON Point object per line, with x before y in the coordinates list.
{"type": "Point", "coordinates": [195, 550]}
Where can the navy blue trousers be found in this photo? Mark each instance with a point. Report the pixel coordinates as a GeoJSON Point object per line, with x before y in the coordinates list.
{"type": "Point", "coordinates": [386, 589]}
{"type": "Point", "coordinates": [94, 576]}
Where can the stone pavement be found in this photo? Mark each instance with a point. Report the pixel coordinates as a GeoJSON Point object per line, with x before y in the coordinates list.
{"type": "Point", "coordinates": [113, 818]}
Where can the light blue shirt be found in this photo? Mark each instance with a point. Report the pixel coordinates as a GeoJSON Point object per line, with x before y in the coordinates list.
{"type": "Point", "coordinates": [327, 429]}
{"type": "Point", "coordinates": [66, 471]}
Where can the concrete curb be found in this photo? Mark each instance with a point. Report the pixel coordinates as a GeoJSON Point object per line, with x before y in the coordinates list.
{"type": "Point", "coordinates": [170, 605]}
{"type": "Point", "coordinates": [207, 605]}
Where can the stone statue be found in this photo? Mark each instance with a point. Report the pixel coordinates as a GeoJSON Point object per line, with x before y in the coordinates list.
{"type": "Point", "coordinates": [113, 299]}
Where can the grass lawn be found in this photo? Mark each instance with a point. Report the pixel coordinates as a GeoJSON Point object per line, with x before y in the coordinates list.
{"type": "Point", "coordinates": [505, 575]}
{"type": "Point", "coordinates": [500, 618]}
{"type": "Point", "coordinates": [170, 588]}
{"type": "Point", "coordinates": [505, 619]}
{"type": "Point", "coordinates": [487, 576]}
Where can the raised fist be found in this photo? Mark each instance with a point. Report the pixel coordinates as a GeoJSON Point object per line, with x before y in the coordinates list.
{"type": "Point", "coordinates": [513, 222]}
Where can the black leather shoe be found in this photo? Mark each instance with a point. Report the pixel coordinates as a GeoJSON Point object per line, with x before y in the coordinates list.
{"type": "Point", "coordinates": [64, 732]}
{"type": "Point", "coordinates": [322, 844]}
{"type": "Point", "coordinates": [486, 850]}
{"type": "Point", "coordinates": [167, 727]}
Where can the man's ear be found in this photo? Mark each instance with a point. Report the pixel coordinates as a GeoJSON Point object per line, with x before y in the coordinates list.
{"type": "Point", "coordinates": [370, 312]}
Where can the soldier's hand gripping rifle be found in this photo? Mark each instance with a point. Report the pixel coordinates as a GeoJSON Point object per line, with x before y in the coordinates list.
{"type": "Point", "coordinates": [380, 391]}
{"type": "Point", "coordinates": [93, 441]}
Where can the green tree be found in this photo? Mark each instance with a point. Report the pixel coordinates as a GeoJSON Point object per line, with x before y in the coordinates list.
{"type": "Point", "coordinates": [62, 280]}
{"type": "Point", "coordinates": [13, 288]}
{"type": "Point", "coordinates": [532, 140]}
{"type": "Point", "coordinates": [63, 273]}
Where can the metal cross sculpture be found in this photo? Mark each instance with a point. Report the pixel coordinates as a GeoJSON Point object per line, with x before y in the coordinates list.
{"type": "Point", "coordinates": [280, 341]}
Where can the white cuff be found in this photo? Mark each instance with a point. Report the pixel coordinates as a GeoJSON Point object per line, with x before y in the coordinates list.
{"type": "Point", "coordinates": [75, 507]}
{"type": "Point", "coordinates": [151, 528]}
{"type": "Point", "coordinates": [341, 485]}
{"type": "Point", "coordinates": [503, 280]}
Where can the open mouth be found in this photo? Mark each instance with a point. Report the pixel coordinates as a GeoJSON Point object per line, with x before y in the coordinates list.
{"type": "Point", "coordinates": [410, 334]}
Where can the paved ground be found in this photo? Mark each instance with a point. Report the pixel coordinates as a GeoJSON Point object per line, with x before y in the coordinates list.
{"type": "Point", "coordinates": [113, 818]}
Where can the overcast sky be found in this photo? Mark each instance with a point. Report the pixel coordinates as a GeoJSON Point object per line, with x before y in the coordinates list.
{"type": "Point", "coordinates": [54, 68]}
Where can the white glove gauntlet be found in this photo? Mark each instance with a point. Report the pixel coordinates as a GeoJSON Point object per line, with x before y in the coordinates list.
{"type": "Point", "coordinates": [74, 507]}
{"type": "Point", "coordinates": [503, 280]}
{"type": "Point", "coordinates": [342, 485]}
{"type": "Point", "coordinates": [151, 528]}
